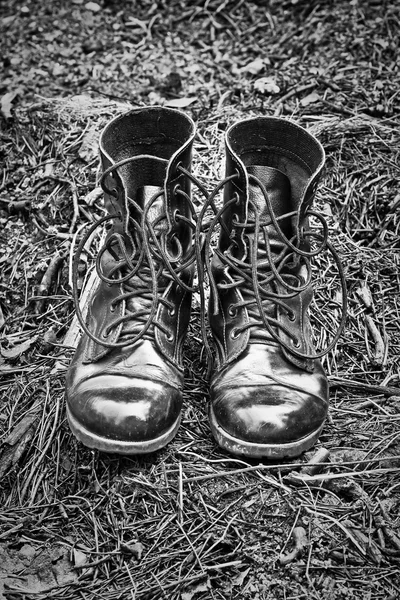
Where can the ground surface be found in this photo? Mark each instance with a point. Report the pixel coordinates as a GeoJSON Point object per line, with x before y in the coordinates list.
{"type": "Point", "coordinates": [191, 521]}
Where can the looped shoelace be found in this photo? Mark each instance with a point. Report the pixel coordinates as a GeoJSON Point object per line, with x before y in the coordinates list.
{"type": "Point", "coordinates": [147, 261]}
{"type": "Point", "coordinates": [260, 274]}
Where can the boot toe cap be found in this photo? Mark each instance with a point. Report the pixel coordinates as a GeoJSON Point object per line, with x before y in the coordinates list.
{"type": "Point", "coordinates": [117, 413]}
{"type": "Point", "coordinates": [271, 421]}
{"type": "Point", "coordinates": [264, 406]}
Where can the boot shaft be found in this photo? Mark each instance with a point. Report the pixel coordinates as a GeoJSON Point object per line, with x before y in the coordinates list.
{"type": "Point", "coordinates": [150, 144]}
{"type": "Point", "coordinates": [262, 269]}
{"type": "Point", "coordinates": [267, 147]}
{"type": "Point", "coordinates": [146, 264]}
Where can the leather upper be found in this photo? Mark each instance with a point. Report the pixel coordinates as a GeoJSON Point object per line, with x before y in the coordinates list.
{"type": "Point", "coordinates": [267, 390]}
{"type": "Point", "coordinates": [126, 378]}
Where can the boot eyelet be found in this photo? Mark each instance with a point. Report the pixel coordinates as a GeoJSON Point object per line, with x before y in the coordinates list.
{"type": "Point", "coordinates": [176, 188]}
{"type": "Point", "coordinates": [237, 198]}
{"type": "Point", "coordinates": [172, 311]}
{"type": "Point", "coordinates": [170, 337]}
{"type": "Point", "coordinates": [232, 311]}
{"type": "Point", "coordinates": [112, 308]}
{"type": "Point", "coordinates": [296, 343]}
{"type": "Point", "coordinates": [176, 216]}
{"type": "Point", "coordinates": [222, 290]}
{"type": "Point", "coordinates": [235, 219]}
{"type": "Point", "coordinates": [234, 333]}
{"type": "Point", "coordinates": [291, 316]}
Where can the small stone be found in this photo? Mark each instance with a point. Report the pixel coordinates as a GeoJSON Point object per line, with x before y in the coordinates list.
{"type": "Point", "coordinates": [93, 6]}
{"type": "Point", "coordinates": [27, 551]}
{"type": "Point", "coordinates": [57, 70]}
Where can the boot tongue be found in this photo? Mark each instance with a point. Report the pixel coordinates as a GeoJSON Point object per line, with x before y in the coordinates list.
{"type": "Point", "coordinates": [142, 180]}
{"type": "Point", "coordinates": [144, 195]}
{"type": "Point", "coordinates": [277, 186]}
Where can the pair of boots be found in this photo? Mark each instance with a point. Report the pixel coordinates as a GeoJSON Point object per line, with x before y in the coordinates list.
{"type": "Point", "coordinates": [268, 391]}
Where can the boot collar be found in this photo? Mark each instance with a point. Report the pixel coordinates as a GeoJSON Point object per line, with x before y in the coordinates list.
{"type": "Point", "coordinates": [163, 138]}
{"type": "Point", "coordinates": [277, 143]}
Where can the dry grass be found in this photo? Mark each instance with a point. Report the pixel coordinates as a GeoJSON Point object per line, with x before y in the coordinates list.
{"type": "Point", "coordinates": [192, 521]}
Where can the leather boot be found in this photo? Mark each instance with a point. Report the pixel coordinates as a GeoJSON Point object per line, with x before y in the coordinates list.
{"type": "Point", "coordinates": [269, 392]}
{"type": "Point", "coordinates": [124, 385]}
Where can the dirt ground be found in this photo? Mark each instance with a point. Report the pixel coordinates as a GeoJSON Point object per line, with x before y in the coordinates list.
{"type": "Point", "coordinates": [191, 522]}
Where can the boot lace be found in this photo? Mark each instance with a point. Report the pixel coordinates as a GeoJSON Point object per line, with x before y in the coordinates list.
{"type": "Point", "coordinates": [266, 277]}
{"type": "Point", "coordinates": [143, 266]}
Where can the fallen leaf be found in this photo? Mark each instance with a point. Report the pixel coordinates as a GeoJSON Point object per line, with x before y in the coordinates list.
{"type": "Point", "coordinates": [381, 42]}
{"type": "Point", "coordinates": [155, 98]}
{"type": "Point", "coordinates": [136, 549]}
{"type": "Point", "coordinates": [366, 543]}
{"type": "Point", "coordinates": [250, 502]}
{"type": "Point", "coordinates": [6, 103]}
{"type": "Point", "coordinates": [19, 349]}
{"type": "Point", "coordinates": [201, 587]}
{"type": "Point", "coordinates": [310, 99]}
{"type": "Point", "coordinates": [48, 169]}
{"type": "Point", "coordinates": [61, 566]}
{"type": "Point", "coordinates": [59, 367]}
{"type": "Point", "coordinates": [80, 558]}
{"type": "Point", "coordinates": [88, 148]}
{"type": "Point", "coordinates": [266, 85]}
{"type": "Point", "coordinates": [364, 293]}
{"type": "Point", "coordinates": [300, 540]}
{"type": "Point", "coordinates": [240, 577]}
{"type": "Point", "coordinates": [21, 428]}
{"type": "Point", "coordinates": [15, 443]}
{"type": "Point", "coordinates": [254, 67]}
{"type": "Point", "coordinates": [93, 196]}
{"type": "Point", "coordinates": [180, 102]}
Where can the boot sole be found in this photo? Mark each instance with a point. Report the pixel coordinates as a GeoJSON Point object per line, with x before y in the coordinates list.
{"type": "Point", "coordinates": [96, 442]}
{"type": "Point", "coordinates": [253, 450]}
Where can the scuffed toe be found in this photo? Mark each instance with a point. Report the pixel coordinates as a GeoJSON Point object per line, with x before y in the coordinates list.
{"type": "Point", "coordinates": [121, 414]}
